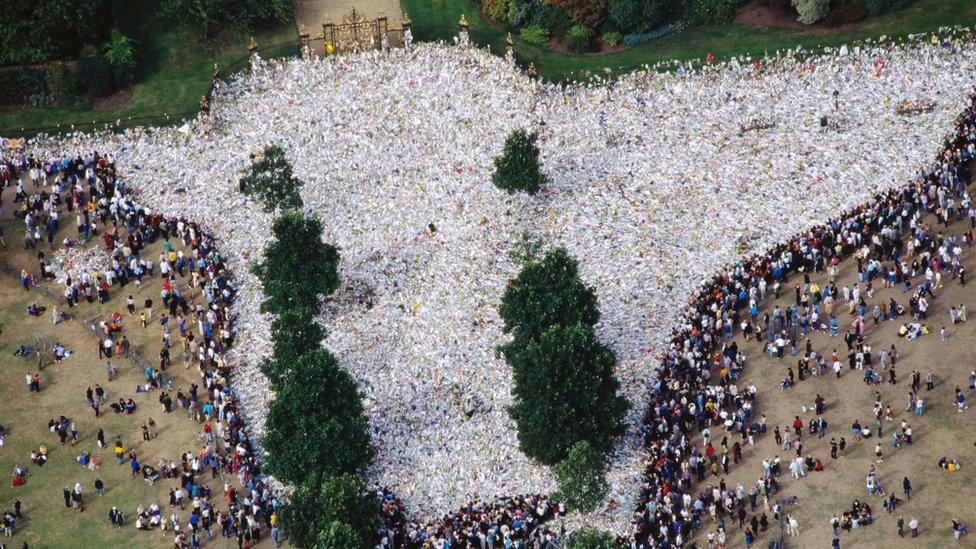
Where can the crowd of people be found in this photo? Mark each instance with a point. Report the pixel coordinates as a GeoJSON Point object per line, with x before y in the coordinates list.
{"type": "Point", "coordinates": [197, 294]}
{"type": "Point", "coordinates": [634, 168]}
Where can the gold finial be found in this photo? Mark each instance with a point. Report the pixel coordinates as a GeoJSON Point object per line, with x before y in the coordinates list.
{"type": "Point", "coordinates": [204, 104]}
{"type": "Point", "coordinates": [216, 70]}
{"type": "Point", "coordinates": [463, 23]}
{"type": "Point", "coordinates": [508, 40]}
{"type": "Point", "coordinates": [302, 30]}
{"type": "Point", "coordinates": [406, 22]}
{"type": "Point", "coordinates": [531, 71]}
{"type": "Point", "coordinates": [253, 45]}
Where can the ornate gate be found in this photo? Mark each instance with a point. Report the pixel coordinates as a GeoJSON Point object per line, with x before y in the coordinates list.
{"type": "Point", "coordinates": [355, 33]}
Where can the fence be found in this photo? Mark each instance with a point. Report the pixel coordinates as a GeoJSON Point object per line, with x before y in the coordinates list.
{"type": "Point", "coordinates": [92, 324]}
{"type": "Point", "coordinates": [35, 285]}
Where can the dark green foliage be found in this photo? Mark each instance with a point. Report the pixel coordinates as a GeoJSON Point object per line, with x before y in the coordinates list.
{"type": "Point", "coordinates": [270, 179]}
{"type": "Point", "coordinates": [120, 51]}
{"type": "Point", "coordinates": [611, 38]}
{"type": "Point", "coordinates": [556, 20]}
{"type": "Point", "coordinates": [579, 39]}
{"type": "Point", "coordinates": [294, 333]}
{"type": "Point", "coordinates": [591, 538]}
{"type": "Point", "coordinates": [564, 392]}
{"type": "Point", "coordinates": [316, 422]}
{"type": "Point", "coordinates": [95, 73]}
{"type": "Point", "coordinates": [210, 15]}
{"type": "Point", "coordinates": [880, 7]}
{"type": "Point", "coordinates": [297, 266]}
{"type": "Point", "coordinates": [545, 293]}
{"type": "Point", "coordinates": [19, 83]}
{"type": "Point", "coordinates": [335, 510]}
{"type": "Point", "coordinates": [638, 16]}
{"type": "Point", "coordinates": [844, 12]}
{"type": "Point", "coordinates": [517, 169]}
{"type": "Point", "coordinates": [339, 535]}
{"type": "Point", "coordinates": [42, 30]}
{"type": "Point", "coordinates": [61, 82]}
{"type": "Point", "coordinates": [709, 12]}
{"type": "Point", "coordinates": [535, 34]}
{"type": "Point", "coordinates": [582, 482]}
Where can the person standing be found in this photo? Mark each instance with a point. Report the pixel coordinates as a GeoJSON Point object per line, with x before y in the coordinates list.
{"type": "Point", "coordinates": [906, 486]}
{"type": "Point", "coordinates": [913, 526]}
{"type": "Point", "coordinates": [901, 527]}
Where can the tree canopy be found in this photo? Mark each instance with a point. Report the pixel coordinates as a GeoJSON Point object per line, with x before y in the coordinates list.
{"type": "Point", "coordinates": [42, 30]}
{"type": "Point", "coordinates": [517, 169]}
{"type": "Point", "coordinates": [564, 392]}
{"type": "Point", "coordinates": [582, 482]}
{"type": "Point", "coordinates": [294, 332]}
{"type": "Point", "coordinates": [591, 538]}
{"type": "Point", "coordinates": [210, 15]}
{"type": "Point", "coordinates": [270, 179]}
{"type": "Point", "coordinates": [332, 513]}
{"type": "Point", "coordinates": [547, 292]}
{"type": "Point", "coordinates": [316, 422]}
{"type": "Point", "coordinates": [297, 266]}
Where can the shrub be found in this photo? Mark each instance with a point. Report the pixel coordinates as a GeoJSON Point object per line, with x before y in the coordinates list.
{"type": "Point", "coordinates": [534, 34]}
{"type": "Point", "coordinates": [582, 482]}
{"type": "Point", "coordinates": [95, 73]}
{"type": "Point", "coordinates": [294, 332]}
{"type": "Point", "coordinates": [527, 12]}
{"type": "Point", "coordinates": [583, 12]}
{"type": "Point", "coordinates": [637, 16]}
{"type": "Point", "coordinates": [811, 11]}
{"type": "Point", "coordinates": [270, 178]}
{"type": "Point", "coordinates": [612, 39]}
{"type": "Point", "coordinates": [499, 11]}
{"type": "Point", "coordinates": [579, 39]}
{"type": "Point", "coordinates": [517, 169]}
{"type": "Point", "coordinates": [61, 82]}
{"type": "Point", "coordinates": [120, 51]}
{"type": "Point", "coordinates": [591, 538]}
{"type": "Point", "coordinates": [556, 20]}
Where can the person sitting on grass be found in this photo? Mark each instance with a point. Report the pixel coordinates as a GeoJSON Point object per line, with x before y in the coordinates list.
{"type": "Point", "coordinates": [958, 529]}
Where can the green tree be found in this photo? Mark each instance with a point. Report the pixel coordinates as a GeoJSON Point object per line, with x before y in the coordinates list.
{"type": "Point", "coordinates": [316, 422]}
{"type": "Point", "coordinates": [270, 179]}
{"type": "Point", "coordinates": [564, 392]}
{"type": "Point", "coordinates": [582, 482]}
{"type": "Point", "coordinates": [517, 169]}
{"type": "Point", "coordinates": [339, 535]}
{"type": "Point", "coordinates": [120, 51]}
{"type": "Point", "coordinates": [811, 11]}
{"type": "Point", "coordinates": [211, 15]}
{"type": "Point", "coordinates": [42, 30]}
{"type": "Point", "coordinates": [331, 509]}
{"type": "Point", "coordinates": [591, 538]}
{"type": "Point", "coordinates": [294, 332]}
{"type": "Point", "coordinates": [297, 266]}
{"type": "Point", "coordinates": [637, 15]}
{"type": "Point", "coordinates": [547, 292]}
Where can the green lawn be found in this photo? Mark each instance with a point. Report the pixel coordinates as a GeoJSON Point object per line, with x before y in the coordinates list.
{"type": "Point", "coordinates": [175, 71]}
{"type": "Point", "coordinates": [437, 20]}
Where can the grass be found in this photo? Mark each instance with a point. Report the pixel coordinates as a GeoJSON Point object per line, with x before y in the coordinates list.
{"type": "Point", "coordinates": [175, 71]}
{"type": "Point", "coordinates": [46, 522]}
{"type": "Point", "coordinates": [438, 20]}
{"type": "Point", "coordinates": [940, 431]}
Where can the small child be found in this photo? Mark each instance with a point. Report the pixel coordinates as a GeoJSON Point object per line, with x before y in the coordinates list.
{"type": "Point", "coordinates": [943, 334]}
